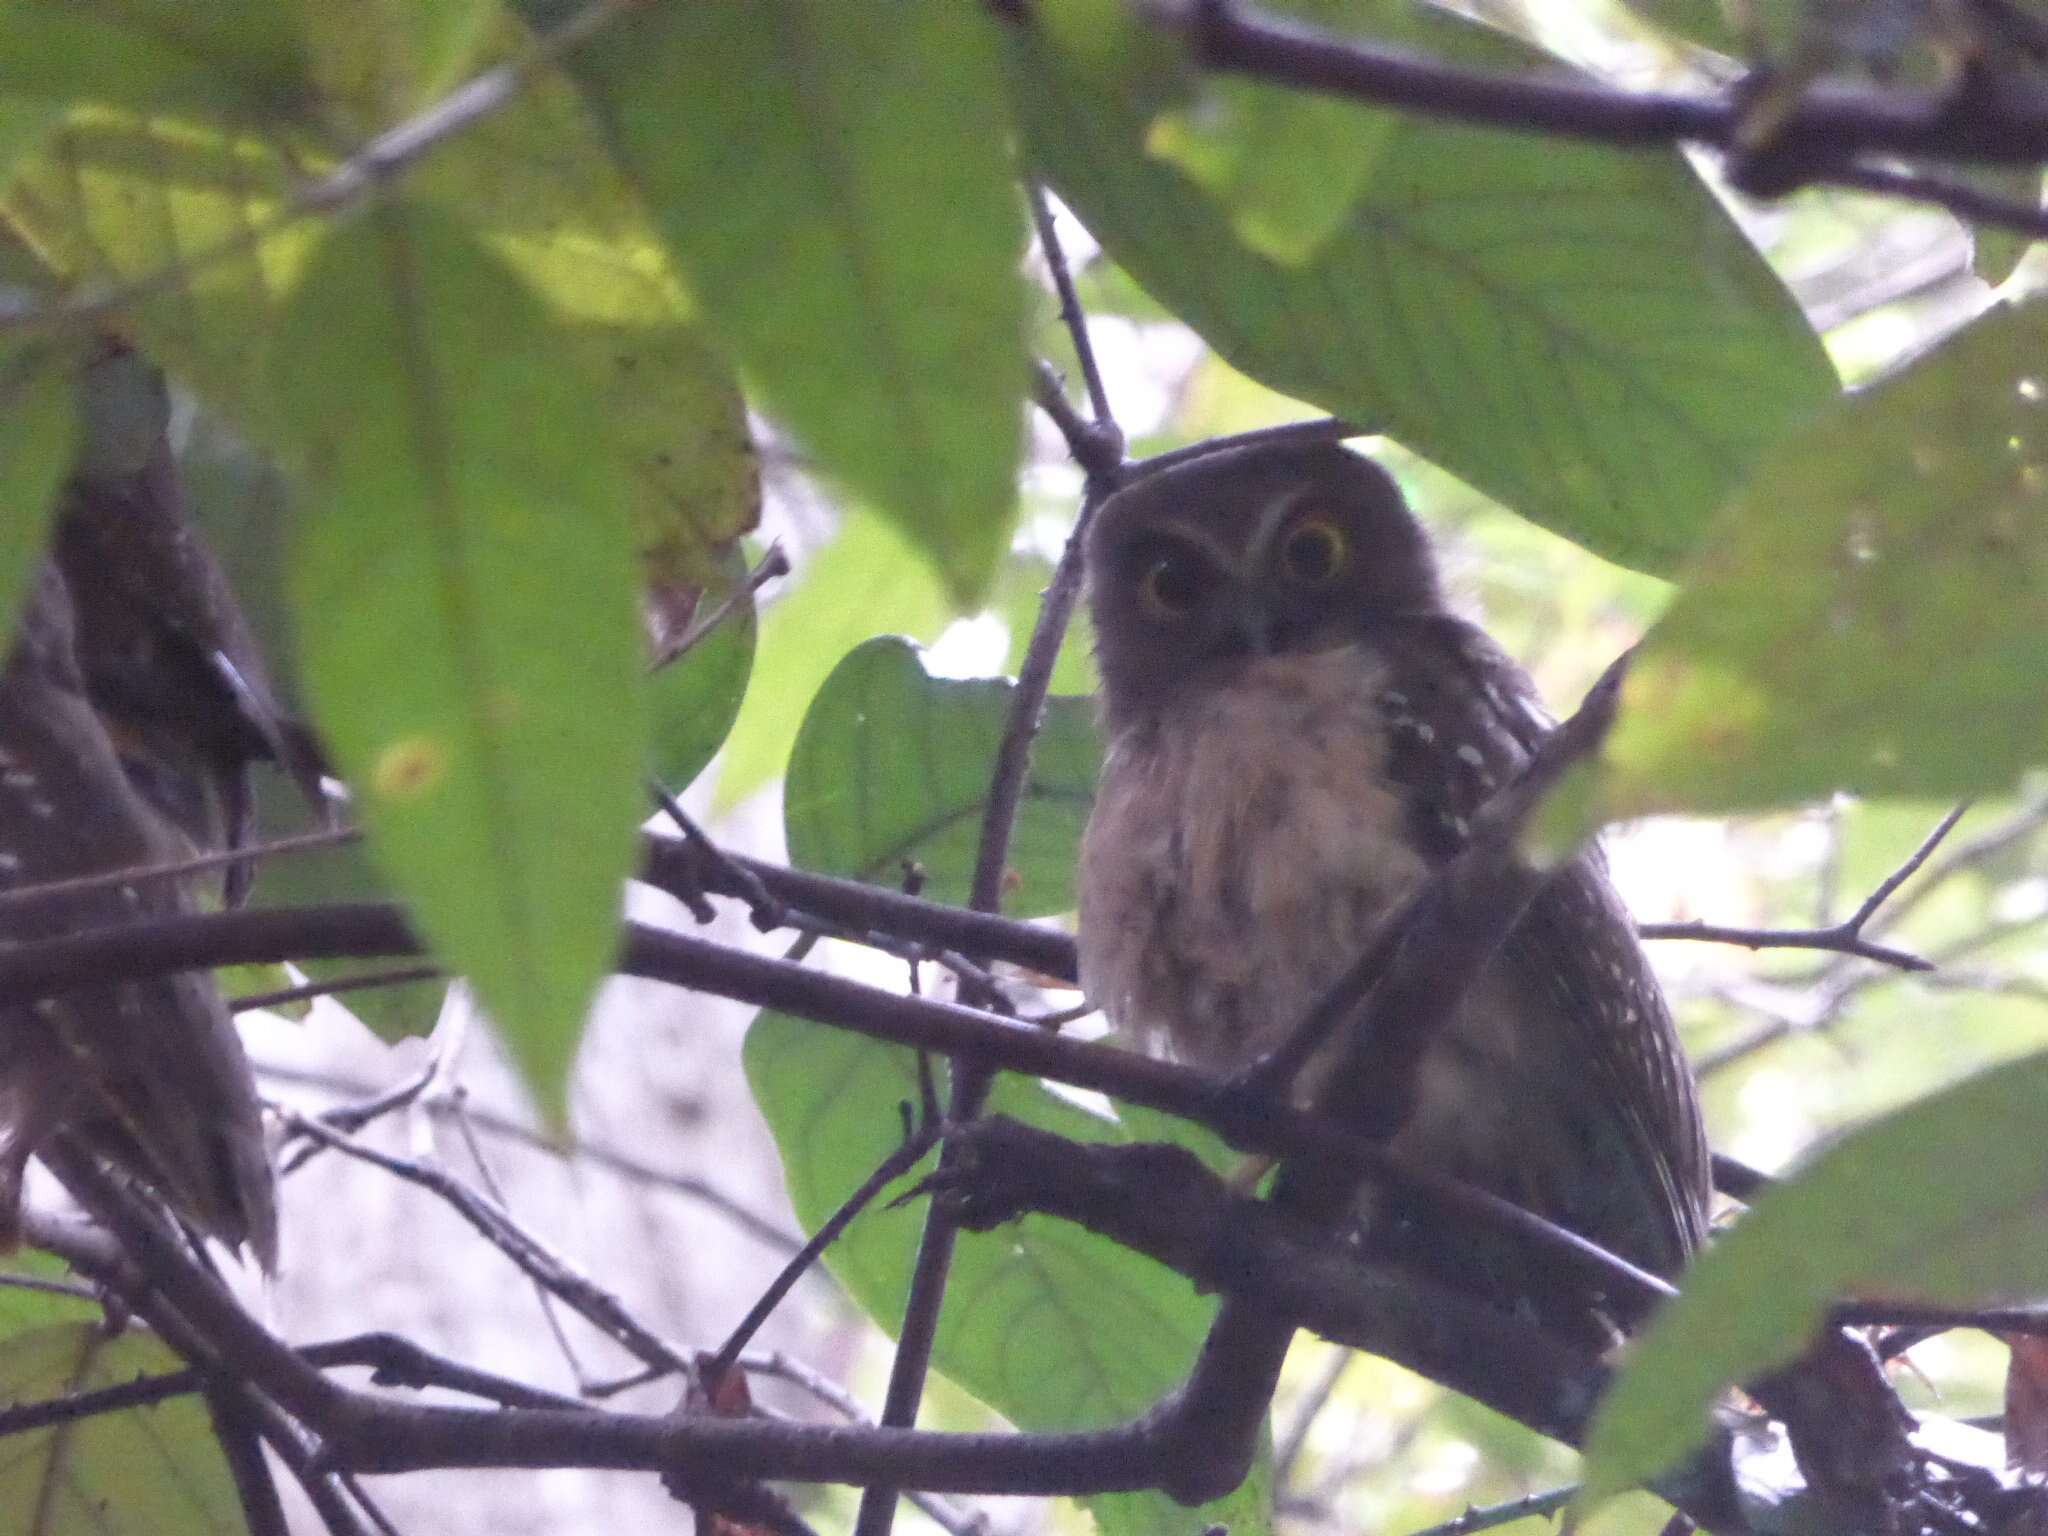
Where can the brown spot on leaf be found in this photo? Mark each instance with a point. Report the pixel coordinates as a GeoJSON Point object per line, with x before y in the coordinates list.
{"type": "Point", "coordinates": [409, 768]}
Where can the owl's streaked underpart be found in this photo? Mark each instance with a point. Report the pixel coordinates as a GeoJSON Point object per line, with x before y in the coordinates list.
{"type": "Point", "coordinates": [1299, 730]}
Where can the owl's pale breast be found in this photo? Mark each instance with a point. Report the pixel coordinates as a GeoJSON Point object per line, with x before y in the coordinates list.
{"type": "Point", "coordinates": [1241, 853]}
{"type": "Point", "coordinates": [1241, 850]}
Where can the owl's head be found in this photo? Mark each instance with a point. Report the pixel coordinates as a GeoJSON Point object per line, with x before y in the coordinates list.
{"type": "Point", "coordinates": [1250, 552]}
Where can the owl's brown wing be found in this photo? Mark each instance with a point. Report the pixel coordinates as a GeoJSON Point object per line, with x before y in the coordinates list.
{"type": "Point", "coordinates": [149, 1074]}
{"type": "Point", "coordinates": [1462, 718]}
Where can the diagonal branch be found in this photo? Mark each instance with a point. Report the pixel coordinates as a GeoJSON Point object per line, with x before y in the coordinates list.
{"type": "Point", "coordinates": [1821, 139]}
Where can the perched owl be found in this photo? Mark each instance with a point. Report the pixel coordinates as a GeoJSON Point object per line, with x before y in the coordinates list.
{"type": "Point", "coordinates": [1299, 730]}
{"type": "Point", "coordinates": [149, 1076]}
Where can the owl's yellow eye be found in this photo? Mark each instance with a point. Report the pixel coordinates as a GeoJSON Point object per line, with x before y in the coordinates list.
{"type": "Point", "coordinates": [1170, 587]}
{"type": "Point", "coordinates": [1314, 552]}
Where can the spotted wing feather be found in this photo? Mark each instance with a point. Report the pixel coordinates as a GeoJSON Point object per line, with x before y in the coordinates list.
{"type": "Point", "coordinates": [149, 1074]}
{"type": "Point", "coordinates": [1462, 720]}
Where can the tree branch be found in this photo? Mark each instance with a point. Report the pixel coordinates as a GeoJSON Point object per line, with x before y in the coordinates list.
{"type": "Point", "coordinates": [1827, 129]}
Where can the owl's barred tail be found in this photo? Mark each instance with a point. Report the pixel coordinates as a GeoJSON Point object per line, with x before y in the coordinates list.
{"type": "Point", "coordinates": [144, 1078]}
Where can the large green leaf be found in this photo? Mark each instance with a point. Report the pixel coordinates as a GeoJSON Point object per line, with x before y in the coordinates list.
{"type": "Point", "coordinates": [119, 194]}
{"type": "Point", "coordinates": [374, 62]}
{"type": "Point", "coordinates": [893, 765]}
{"type": "Point", "coordinates": [697, 696]}
{"type": "Point", "coordinates": [1288, 165]}
{"type": "Point", "coordinates": [38, 433]}
{"type": "Point", "coordinates": [1582, 333]}
{"type": "Point", "coordinates": [142, 1472]}
{"type": "Point", "coordinates": [236, 58]}
{"type": "Point", "coordinates": [1869, 614]}
{"type": "Point", "coordinates": [126, 192]}
{"type": "Point", "coordinates": [24, 1308]}
{"type": "Point", "coordinates": [538, 182]}
{"type": "Point", "coordinates": [1049, 1325]}
{"type": "Point", "coordinates": [835, 183]}
{"type": "Point", "coordinates": [464, 578]}
{"type": "Point", "coordinates": [1940, 1202]}
{"type": "Point", "coordinates": [1995, 250]}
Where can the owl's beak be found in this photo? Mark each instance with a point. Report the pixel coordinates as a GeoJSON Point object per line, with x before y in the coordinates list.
{"type": "Point", "coordinates": [1245, 626]}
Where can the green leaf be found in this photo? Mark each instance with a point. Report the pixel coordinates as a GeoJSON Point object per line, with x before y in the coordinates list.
{"type": "Point", "coordinates": [893, 765]}
{"type": "Point", "coordinates": [23, 1309]}
{"type": "Point", "coordinates": [867, 579]}
{"type": "Point", "coordinates": [1869, 614]}
{"type": "Point", "coordinates": [126, 195]}
{"type": "Point", "coordinates": [539, 183]}
{"type": "Point", "coordinates": [143, 1472]}
{"type": "Point", "coordinates": [860, 257]}
{"type": "Point", "coordinates": [1940, 1203]}
{"type": "Point", "coordinates": [1994, 250]}
{"type": "Point", "coordinates": [121, 196]}
{"type": "Point", "coordinates": [463, 578]}
{"type": "Point", "coordinates": [1286, 164]}
{"type": "Point", "coordinates": [374, 62]}
{"type": "Point", "coordinates": [240, 981]}
{"type": "Point", "coordinates": [697, 696]}
{"type": "Point", "coordinates": [1051, 1326]}
{"type": "Point", "coordinates": [1583, 334]}
{"type": "Point", "coordinates": [233, 57]}
{"type": "Point", "coordinates": [38, 435]}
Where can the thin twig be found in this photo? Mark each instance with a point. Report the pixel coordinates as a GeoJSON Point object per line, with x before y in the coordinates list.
{"type": "Point", "coordinates": [579, 1292]}
{"type": "Point", "coordinates": [972, 1079]}
{"type": "Point", "coordinates": [1110, 440]}
{"type": "Point", "coordinates": [1962, 857]}
{"type": "Point", "coordinates": [1845, 937]}
{"type": "Point", "coordinates": [176, 869]}
{"type": "Point", "coordinates": [1890, 883]}
{"type": "Point", "coordinates": [772, 566]}
{"type": "Point", "coordinates": [856, 907]}
{"type": "Point", "coordinates": [47, 1285]}
{"type": "Point", "coordinates": [369, 1506]}
{"type": "Point", "coordinates": [1049, 394]}
{"type": "Point", "coordinates": [1488, 1516]}
{"type": "Point", "coordinates": [1825, 136]}
{"type": "Point", "coordinates": [1313, 1402]}
{"type": "Point", "coordinates": [767, 912]}
{"type": "Point", "coordinates": [335, 986]}
{"type": "Point", "coordinates": [457, 1101]}
{"type": "Point", "coordinates": [905, 1157]}
{"type": "Point", "coordinates": [782, 1366]}
{"type": "Point", "coordinates": [1839, 939]}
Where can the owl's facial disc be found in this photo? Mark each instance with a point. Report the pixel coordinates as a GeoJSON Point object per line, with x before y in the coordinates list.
{"type": "Point", "coordinates": [1200, 568]}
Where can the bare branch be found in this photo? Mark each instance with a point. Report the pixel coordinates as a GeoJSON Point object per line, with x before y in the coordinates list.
{"type": "Point", "coordinates": [1823, 137]}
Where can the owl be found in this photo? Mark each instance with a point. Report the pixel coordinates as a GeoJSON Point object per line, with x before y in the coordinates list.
{"type": "Point", "coordinates": [1298, 731]}
{"type": "Point", "coordinates": [148, 1076]}
{"type": "Point", "coordinates": [166, 655]}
